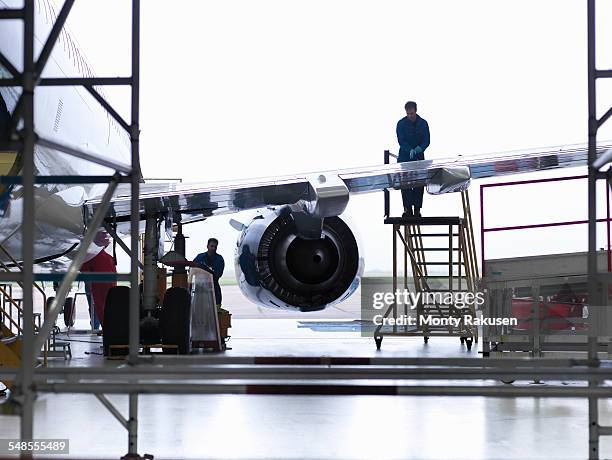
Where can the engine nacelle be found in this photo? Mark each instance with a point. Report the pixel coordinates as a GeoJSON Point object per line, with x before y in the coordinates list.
{"type": "Point", "coordinates": [278, 268]}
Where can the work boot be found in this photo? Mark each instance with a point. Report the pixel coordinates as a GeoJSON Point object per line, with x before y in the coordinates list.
{"type": "Point", "coordinates": [407, 212]}
{"type": "Point", "coordinates": [417, 212]}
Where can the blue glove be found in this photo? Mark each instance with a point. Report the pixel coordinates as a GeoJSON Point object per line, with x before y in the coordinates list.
{"type": "Point", "coordinates": [417, 150]}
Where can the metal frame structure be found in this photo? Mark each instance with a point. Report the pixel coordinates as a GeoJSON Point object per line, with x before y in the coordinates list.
{"type": "Point", "coordinates": [313, 378]}
{"type": "Point", "coordinates": [414, 249]}
{"type": "Point", "coordinates": [29, 79]}
{"type": "Point", "coordinates": [538, 333]}
{"type": "Point", "coordinates": [484, 230]}
{"type": "Point", "coordinates": [461, 273]}
{"type": "Point", "coordinates": [325, 375]}
{"type": "Point", "coordinates": [596, 282]}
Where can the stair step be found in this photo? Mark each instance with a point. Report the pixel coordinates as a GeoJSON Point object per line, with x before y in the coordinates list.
{"type": "Point", "coordinates": [9, 340]}
{"type": "Point", "coordinates": [442, 276]}
{"type": "Point", "coordinates": [10, 304]}
{"type": "Point", "coordinates": [438, 263]}
{"type": "Point", "coordinates": [434, 249]}
{"type": "Point", "coordinates": [432, 234]}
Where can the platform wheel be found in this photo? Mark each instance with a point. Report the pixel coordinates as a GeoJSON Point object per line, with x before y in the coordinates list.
{"type": "Point", "coordinates": [507, 382]}
{"type": "Point", "coordinates": [378, 341]}
{"type": "Point", "coordinates": [468, 343]}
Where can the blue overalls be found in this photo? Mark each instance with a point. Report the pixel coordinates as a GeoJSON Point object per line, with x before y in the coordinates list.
{"type": "Point", "coordinates": [412, 137]}
{"type": "Point", "coordinates": [217, 265]}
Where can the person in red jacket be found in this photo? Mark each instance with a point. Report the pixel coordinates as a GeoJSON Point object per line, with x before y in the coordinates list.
{"type": "Point", "coordinates": [101, 263]}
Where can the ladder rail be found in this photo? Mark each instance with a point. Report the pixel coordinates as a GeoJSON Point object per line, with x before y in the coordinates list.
{"type": "Point", "coordinates": [420, 238]}
{"type": "Point", "coordinates": [405, 277]}
{"type": "Point", "coordinates": [9, 316]}
{"type": "Point", "coordinates": [395, 232]}
{"type": "Point", "coordinates": [13, 302]}
{"type": "Point", "coordinates": [5, 315]}
{"type": "Point", "coordinates": [461, 257]}
{"type": "Point", "coordinates": [467, 212]}
{"type": "Point", "coordinates": [14, 261]}
{"type": "Point", "coordinates": [471, 286]}
{"type": "Point", "coordinates": [450, 257]}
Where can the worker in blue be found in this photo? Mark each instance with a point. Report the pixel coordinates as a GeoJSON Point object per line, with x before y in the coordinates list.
{"type": "Point", "coordinates": [413, 138]}
{"type": "Point", "coordinates": [213, 263]}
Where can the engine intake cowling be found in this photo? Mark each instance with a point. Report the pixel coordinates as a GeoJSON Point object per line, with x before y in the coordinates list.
{"type": "Point", "coordinates": [278, 268]}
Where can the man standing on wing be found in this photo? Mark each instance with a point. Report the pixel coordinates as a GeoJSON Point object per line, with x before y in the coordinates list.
{"type": "Point", "coordinates": [413, 138]}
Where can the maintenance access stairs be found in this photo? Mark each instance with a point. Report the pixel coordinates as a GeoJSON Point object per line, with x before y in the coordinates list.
{"type": "Point", "coordinates": [440, 268]}
{"type": "Point", "coordinates": [11, 329]}
{"type": "Point", "coordinates": [11, 318]}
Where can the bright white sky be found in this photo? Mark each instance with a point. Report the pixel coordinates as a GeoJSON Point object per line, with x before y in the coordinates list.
{"type": "Point", "coordinates": [237, 88]}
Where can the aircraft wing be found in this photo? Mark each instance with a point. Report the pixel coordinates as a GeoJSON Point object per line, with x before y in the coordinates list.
{"type": "Point", "coordinates": [197, 201]}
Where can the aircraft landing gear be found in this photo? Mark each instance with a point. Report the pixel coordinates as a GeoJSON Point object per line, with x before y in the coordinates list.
{"type": "Point", "coordinates": [167, 326]}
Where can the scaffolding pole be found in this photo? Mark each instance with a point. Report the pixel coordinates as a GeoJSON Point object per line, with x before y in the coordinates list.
{"type": "Point", "coordinates": [24, 110]}
{"type": "Point", "coordinates": [134, 336]}
{"type": "Point", "coordinates": [28, 80]}
{"type": "Point", "coordinates": [597, 300]}
{"type": "Point", "coordinates": [593, 402]}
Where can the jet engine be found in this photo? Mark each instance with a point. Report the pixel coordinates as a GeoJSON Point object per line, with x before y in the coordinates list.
{"type": "Point", "coordinates": [278, 267]}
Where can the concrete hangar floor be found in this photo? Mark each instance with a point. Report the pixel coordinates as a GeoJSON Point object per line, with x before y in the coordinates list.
{"type": "Point", "coordinates": [313, 427]}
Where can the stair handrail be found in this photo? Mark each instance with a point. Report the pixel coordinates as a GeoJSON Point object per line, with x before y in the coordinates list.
{"type": "Point", "coordinates": [18, 265]}
{"type": "Point", "coordinates": [467, 212]}
{"type": "Point", "coordinates": [7, 315]}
